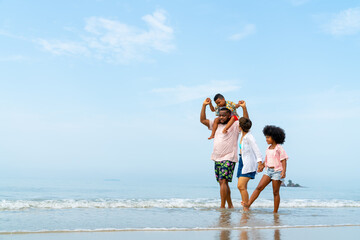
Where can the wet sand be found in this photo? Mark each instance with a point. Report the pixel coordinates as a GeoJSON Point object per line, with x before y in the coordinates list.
{"type": "Point", "coordinates": [275, 233]}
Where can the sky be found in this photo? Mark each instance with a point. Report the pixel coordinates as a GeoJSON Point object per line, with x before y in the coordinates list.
{"type": "Point", "coordinates": [113, 89]}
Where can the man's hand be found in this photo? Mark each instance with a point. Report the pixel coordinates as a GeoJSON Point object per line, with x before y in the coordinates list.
{"type": "Point", "coordinates": [224, 131]}
{"type": "Point", "coordinates": [260, 167]}
{"type": "Point", "coordinates": [283, 174]}
{"type": "Point", "coordinates": [207, 101]}
{"type": "Point", "coordinates": [242, 103]}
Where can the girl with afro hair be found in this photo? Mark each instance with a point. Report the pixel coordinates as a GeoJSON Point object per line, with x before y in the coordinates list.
{"type": "Point", "coordinates": [275, 165]}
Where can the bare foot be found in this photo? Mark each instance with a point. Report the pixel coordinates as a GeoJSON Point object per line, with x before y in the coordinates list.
{"type": "Point", "coordinates": [211, 137]}
{"type": "Point", "coordinates": [245, 206]}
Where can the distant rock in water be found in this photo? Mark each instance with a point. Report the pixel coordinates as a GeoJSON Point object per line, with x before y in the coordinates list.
{"type": "Point", "coordinates": [291, 184]}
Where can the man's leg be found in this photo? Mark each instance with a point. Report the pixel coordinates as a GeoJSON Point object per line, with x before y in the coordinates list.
{"type": "Point", "coordinates": [225, 193]}
{"type": "Point", "coordinates": [228, 199]}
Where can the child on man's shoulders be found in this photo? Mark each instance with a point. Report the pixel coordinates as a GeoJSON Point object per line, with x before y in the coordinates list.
{"type": "Point", "coordinates": [221, 102]}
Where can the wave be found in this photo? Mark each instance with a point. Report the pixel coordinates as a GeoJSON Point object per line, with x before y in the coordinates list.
{"type": "Point", "coordinates": [203, 203]}
{"type": "Point", "coordinates": [175, 229]}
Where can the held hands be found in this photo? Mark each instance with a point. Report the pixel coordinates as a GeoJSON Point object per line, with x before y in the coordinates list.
{"type": "Point", "coordinates": [207, 101]}
{"type": "Point", "coordinates": [260, 167]}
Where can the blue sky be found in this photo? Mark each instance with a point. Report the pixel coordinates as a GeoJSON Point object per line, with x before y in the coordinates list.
{"type": "Point", "coordinates": [113, 89]}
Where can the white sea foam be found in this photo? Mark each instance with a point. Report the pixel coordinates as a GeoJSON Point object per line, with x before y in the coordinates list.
{"type": "Point", "coordinates": [17, 205]}
{"type": "Point", "coordinates": [175, 229]}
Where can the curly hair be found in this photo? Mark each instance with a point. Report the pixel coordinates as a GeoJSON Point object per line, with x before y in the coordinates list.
{"type": "Point", "coordinates": [245, 124]}
{"type": "Point", "coordinates": [276, 133]}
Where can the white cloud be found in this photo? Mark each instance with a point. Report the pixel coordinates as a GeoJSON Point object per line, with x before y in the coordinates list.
{"type": "Point", "coordinates": [63, 48]}
{"type": "Point", "coordinates": [346, 22]}
{"type": "Point", "coordinates": [248, 30]}
{"type": "Point", "coordinates": [117, 42]}
{"type": "Point", "coordinates": [183, 93]}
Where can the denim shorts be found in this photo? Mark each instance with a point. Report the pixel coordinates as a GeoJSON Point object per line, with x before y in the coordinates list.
{"type": "Point", "coordinates": [250, 175]}
{"type": "Point", "coordinates": [274, 175]}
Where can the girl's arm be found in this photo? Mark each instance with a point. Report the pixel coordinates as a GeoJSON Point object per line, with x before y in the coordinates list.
{"type": "Point", "coordinates": [262, 165]}
{"type": "Point", "coordinates": [283, 172]}
{"type": "Point", "coordinates": [283, 159]}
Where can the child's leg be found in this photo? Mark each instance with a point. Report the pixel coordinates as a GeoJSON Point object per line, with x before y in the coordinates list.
{"type": "Point", "coordinates": [276, 191]}
{"type": "Point", "coordinates": [228, 125]}
{"type": "Point", "coordinates": [242, 186]}
{"type": "Point", "coordinates": [265, 180]}
{"type": "Point", "coordinates": [215, 126]}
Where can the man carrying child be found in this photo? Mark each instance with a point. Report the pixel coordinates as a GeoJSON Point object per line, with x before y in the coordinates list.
{"type": "Point", "coordinates": [225, 154]}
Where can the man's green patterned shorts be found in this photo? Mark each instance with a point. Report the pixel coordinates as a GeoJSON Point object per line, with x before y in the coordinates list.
{"type": "Point", "coordinates": [224, 170]}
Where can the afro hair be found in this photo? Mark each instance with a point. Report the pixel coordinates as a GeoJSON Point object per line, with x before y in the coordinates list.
{"type": "Point", "coordinates": [276, 133]}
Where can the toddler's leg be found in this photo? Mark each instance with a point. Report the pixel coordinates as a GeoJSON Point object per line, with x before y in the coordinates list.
{"type": "Point", "coordinates": [229, 124]}
{"type": "Point", "coordinates": [276, 191]}
{"type": "Point", "coordinates": [215, 126]}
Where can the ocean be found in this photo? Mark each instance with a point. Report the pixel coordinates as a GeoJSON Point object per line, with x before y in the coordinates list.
{"type": "Point", "coordinates": [53, 206]}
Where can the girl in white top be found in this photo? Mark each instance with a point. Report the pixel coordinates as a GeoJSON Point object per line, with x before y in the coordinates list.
{"type": "Point", "coordinates": [250, 156]}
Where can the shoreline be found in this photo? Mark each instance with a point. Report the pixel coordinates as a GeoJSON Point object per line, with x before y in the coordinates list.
{"type": "Point", "coordinates": [67, 231]}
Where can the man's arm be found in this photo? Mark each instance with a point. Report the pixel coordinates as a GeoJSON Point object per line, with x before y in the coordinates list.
{"type": "Point", "coordinates": [203, 119]}
{"type": "Point", "coordinates": [242, 104]}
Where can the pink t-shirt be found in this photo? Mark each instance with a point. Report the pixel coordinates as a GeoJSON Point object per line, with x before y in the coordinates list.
{"type": "Point", "coordinates": [274, 156]}
{"type": "Point", "coordinates": [225, 145]}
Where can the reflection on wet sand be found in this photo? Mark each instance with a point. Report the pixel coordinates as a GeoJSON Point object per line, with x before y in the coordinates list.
{"type": "Point", "coordinates": [244, 235]}
{"type": "Point", "coordinates": [276, 223]}
{"type": "Point", "coordinates": [225, 222]}
{"type": "Point", "coordinates": [247, 226]}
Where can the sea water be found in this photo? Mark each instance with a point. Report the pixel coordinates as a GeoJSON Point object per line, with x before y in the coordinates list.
{"type": "Point", "coordinates": [42, 205]}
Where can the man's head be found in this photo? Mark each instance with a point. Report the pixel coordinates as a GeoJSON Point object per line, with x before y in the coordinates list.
{"type": "Point", "coordinates": [220, 100]}
{"type": "Point", "coordinates": [224, 115]}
